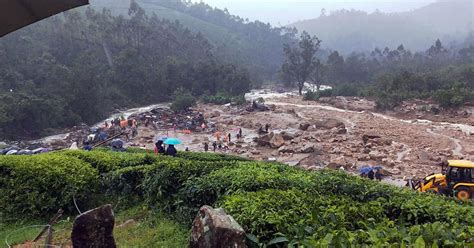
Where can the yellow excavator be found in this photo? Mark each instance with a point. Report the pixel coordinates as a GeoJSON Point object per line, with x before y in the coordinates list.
{"type": "Point", "coordinates": [456, 179]}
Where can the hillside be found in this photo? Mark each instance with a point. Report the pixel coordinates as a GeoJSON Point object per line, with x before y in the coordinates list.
{"type": "Point", "coordinates": [274, 203]}
{"type": "Point", "coordinates": [255, 45]}
{"type": "Point", "coordinates": [352, 30]}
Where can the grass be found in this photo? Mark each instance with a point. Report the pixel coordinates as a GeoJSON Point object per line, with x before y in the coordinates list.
{"type": "Point", "coordinates": [142, 228]}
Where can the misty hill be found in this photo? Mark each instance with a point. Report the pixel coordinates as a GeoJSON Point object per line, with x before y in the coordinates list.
{"type": "Point", "coordinates": [352, 30]}
{"type": "Point", "coordinates": [256, 45]}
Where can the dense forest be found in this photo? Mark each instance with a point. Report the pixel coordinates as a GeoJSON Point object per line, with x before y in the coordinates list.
{"type": "Point", "coordinates": [445, 75]}
{"type": "Point", "coordinates": [354, 30]}
{"type": "Point", "coordinates": [81, 65]}
{"type": "Point", "coordinates": [251, 44]}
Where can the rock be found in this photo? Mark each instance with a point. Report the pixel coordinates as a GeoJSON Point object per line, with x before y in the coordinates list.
{"type": "Point", "coordinates": [94, 228]}
{"type": "Point", "coordinates": [367, 137]}
{"type": "Point", "coordinates": [376, 155]}
{"type": "Point", "coordinates": [255, 152]}
{"type": "Point", "coordinates": [341, 130]}
{"type": "Point", "coordinates": [329, 124]}
{"type": "Point", "coordinates": [264, 140]}
{"type": "Point", "coordinates": [287, 136]}
{"type": "Point", "coordinates": [337, 163]}
{"type": "Point", "coordinates": [214, 228]}
{"type": "Point", "coordinates": [304, 126]}
{"type": "Point", "coordinates": [423, 156]}
{"type": "Point", "coordinates": [277, 141]}
{"type": "Point", "coordinates": [286, 149]}
{"type": "Point", "coordinates": [308, 148]}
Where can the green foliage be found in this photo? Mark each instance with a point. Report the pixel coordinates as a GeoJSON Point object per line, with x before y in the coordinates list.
{"type": "Point", "coordinates": [246, 176]}
{"type": "Point", "coordinates": [83, 79]}
{"type": "Point", "coordinates": [276, 204]}
{"type": "Point", "coordinates": [311, 95]}
{"type": "Point", "coordinates": [219, 98]}
{"type": "Point", "coordinates": [183, 100]}
{"type": "Point", "coordinates": [105, 161]}
{"type": "Point", "coordinates": [167, 178]}
{"type": "Point", "coordinates": [206, 156]}
{"type": "Point", "coordinates": [315, 95]}
{"type": "Point", "coordinates": [346, 89]}
{"type": "Point", "coordinates": [41, 184]}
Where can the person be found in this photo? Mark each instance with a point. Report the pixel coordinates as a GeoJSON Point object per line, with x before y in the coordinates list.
{"type": "Point", "coordinates": [206, 146]}
{"type": "Point", "coordinates": [214, 145]}
{"type": "Point", "coordinates": [159, 149]}
{"type": "Point", "coordinates": [106, 125]}
{"type": "Point", "coordinates": [240, 132]}
{"type": "Point", "coordinates": [229, 136]}
{"type": "Point", "coordinates": [171, 151]}
{"type": "Point", "coordinates": [87, 146]}
{"type": "Point", "coordinates": [186, 149]}
{"type": "Point", "coordinates": [267, 126]}
{"type": "Point", "coordinates": [370, 175]}
{"type": "Point", "coordinates": [203, 127]}
{"type": "Point", "coordinates": [219, 145]}
{"type": "Point", "coordinates": [378, 175]}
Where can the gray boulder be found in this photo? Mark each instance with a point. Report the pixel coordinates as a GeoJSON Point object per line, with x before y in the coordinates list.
{"type": "Point", "coordinates": [214, 228]}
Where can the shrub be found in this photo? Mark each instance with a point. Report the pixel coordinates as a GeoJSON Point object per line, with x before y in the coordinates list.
{"type": "Point", "coordinates": [219, 98]}
{"type": "Point", "coordinates": [108, 161]}
{"type": "Point", "coordinates": [346, 90]}
{"type": "Point", "coordinates": [205, 156]}
{"type": "Point", "coordinates": [267, 212]}
{"type": "Point", "coordinates": [246, 176]}
{"type": "Point", "coordinates": [168, 177]}
{"type": "Point", "coordinates": [325, 92]}
{"type": "Point", "coordinates": [183, 100]}
{"type": "Point", "coordinates": [126, 181]}
{"type": "Point", "coordinates": [311, 95]}
{"type": "Point", "coordinates": [39, 185]}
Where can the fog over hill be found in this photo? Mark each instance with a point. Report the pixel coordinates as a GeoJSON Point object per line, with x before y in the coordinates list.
{"type": "Point", "coordinates": [353, 30]}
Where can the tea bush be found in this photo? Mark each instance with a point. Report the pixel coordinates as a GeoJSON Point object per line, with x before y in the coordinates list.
{"type": "Point", "coordinates": [39, 185]}
{"type": "Point", "coordinates": [167, 178]}
{"type": "Point", "coordinates": [107, 161]}
{"type": "Point", "coordinates": [246, 176]}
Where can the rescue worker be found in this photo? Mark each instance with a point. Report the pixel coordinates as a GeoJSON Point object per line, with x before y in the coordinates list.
{"type": "Point", "coordinates": [171, 151]}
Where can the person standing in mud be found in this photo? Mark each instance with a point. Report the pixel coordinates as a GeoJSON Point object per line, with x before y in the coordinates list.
{"type": "Point", "coordinates": [267, 126]}
{"type": "Point", "coordinates": [229, 137]}
{"type": "Point", "coordinates": [214, 146]}
{"type": "Point", "coordinates": [240, 132]}
{"type": "Point", "coordinates": [206, 146]}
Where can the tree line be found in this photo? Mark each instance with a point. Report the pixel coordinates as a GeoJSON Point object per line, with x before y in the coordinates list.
{"type": "Point", "coordinates": [443, 74]}
{"type": "Point", "coordinates": [81, 65]}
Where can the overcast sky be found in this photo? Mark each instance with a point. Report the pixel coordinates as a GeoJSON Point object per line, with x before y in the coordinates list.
{"type": "Point", "coordinates": [283, 12]}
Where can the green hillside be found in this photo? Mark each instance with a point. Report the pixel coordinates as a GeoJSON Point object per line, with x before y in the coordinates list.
{"type": "Point", "coordinates": [273, 202]}
{"type": "Point", "coordinates": [254, 45]}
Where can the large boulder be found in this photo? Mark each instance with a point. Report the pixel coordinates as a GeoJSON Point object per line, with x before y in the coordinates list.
{"type": "Point", "coordinates": [94, 228]}
{"type": "Point", "coordinates": [304, 126]}
{"type": "Point", "coordinates": [307, 148]}
{"type": "Point", "coordinates": [263, 140]}
{"type": "Point", "coordinates": [329, 124]}
{"type": "Point", "coordinates": [277, 141]}
{"type": "Point", "coordinates": [214, 228]}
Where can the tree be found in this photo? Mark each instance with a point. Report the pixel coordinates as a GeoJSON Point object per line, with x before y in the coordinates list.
{"type": "Point", "coordinates": [300, 61]}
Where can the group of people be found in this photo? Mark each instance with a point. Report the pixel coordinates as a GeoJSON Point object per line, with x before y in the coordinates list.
{"type": "Point", "coordinates": [224, 144]}
{"type": "Point", "coordinates": [374, 174]}
{"type": "Point", "coordinates": [160, 149]}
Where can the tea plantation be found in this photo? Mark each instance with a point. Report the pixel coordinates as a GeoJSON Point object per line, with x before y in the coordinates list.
{"type": "Point", "coordinates": [277, 205]}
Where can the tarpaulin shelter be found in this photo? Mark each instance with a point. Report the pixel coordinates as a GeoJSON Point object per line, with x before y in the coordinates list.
{"type": "Point", "coordinates": [15, 14]}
